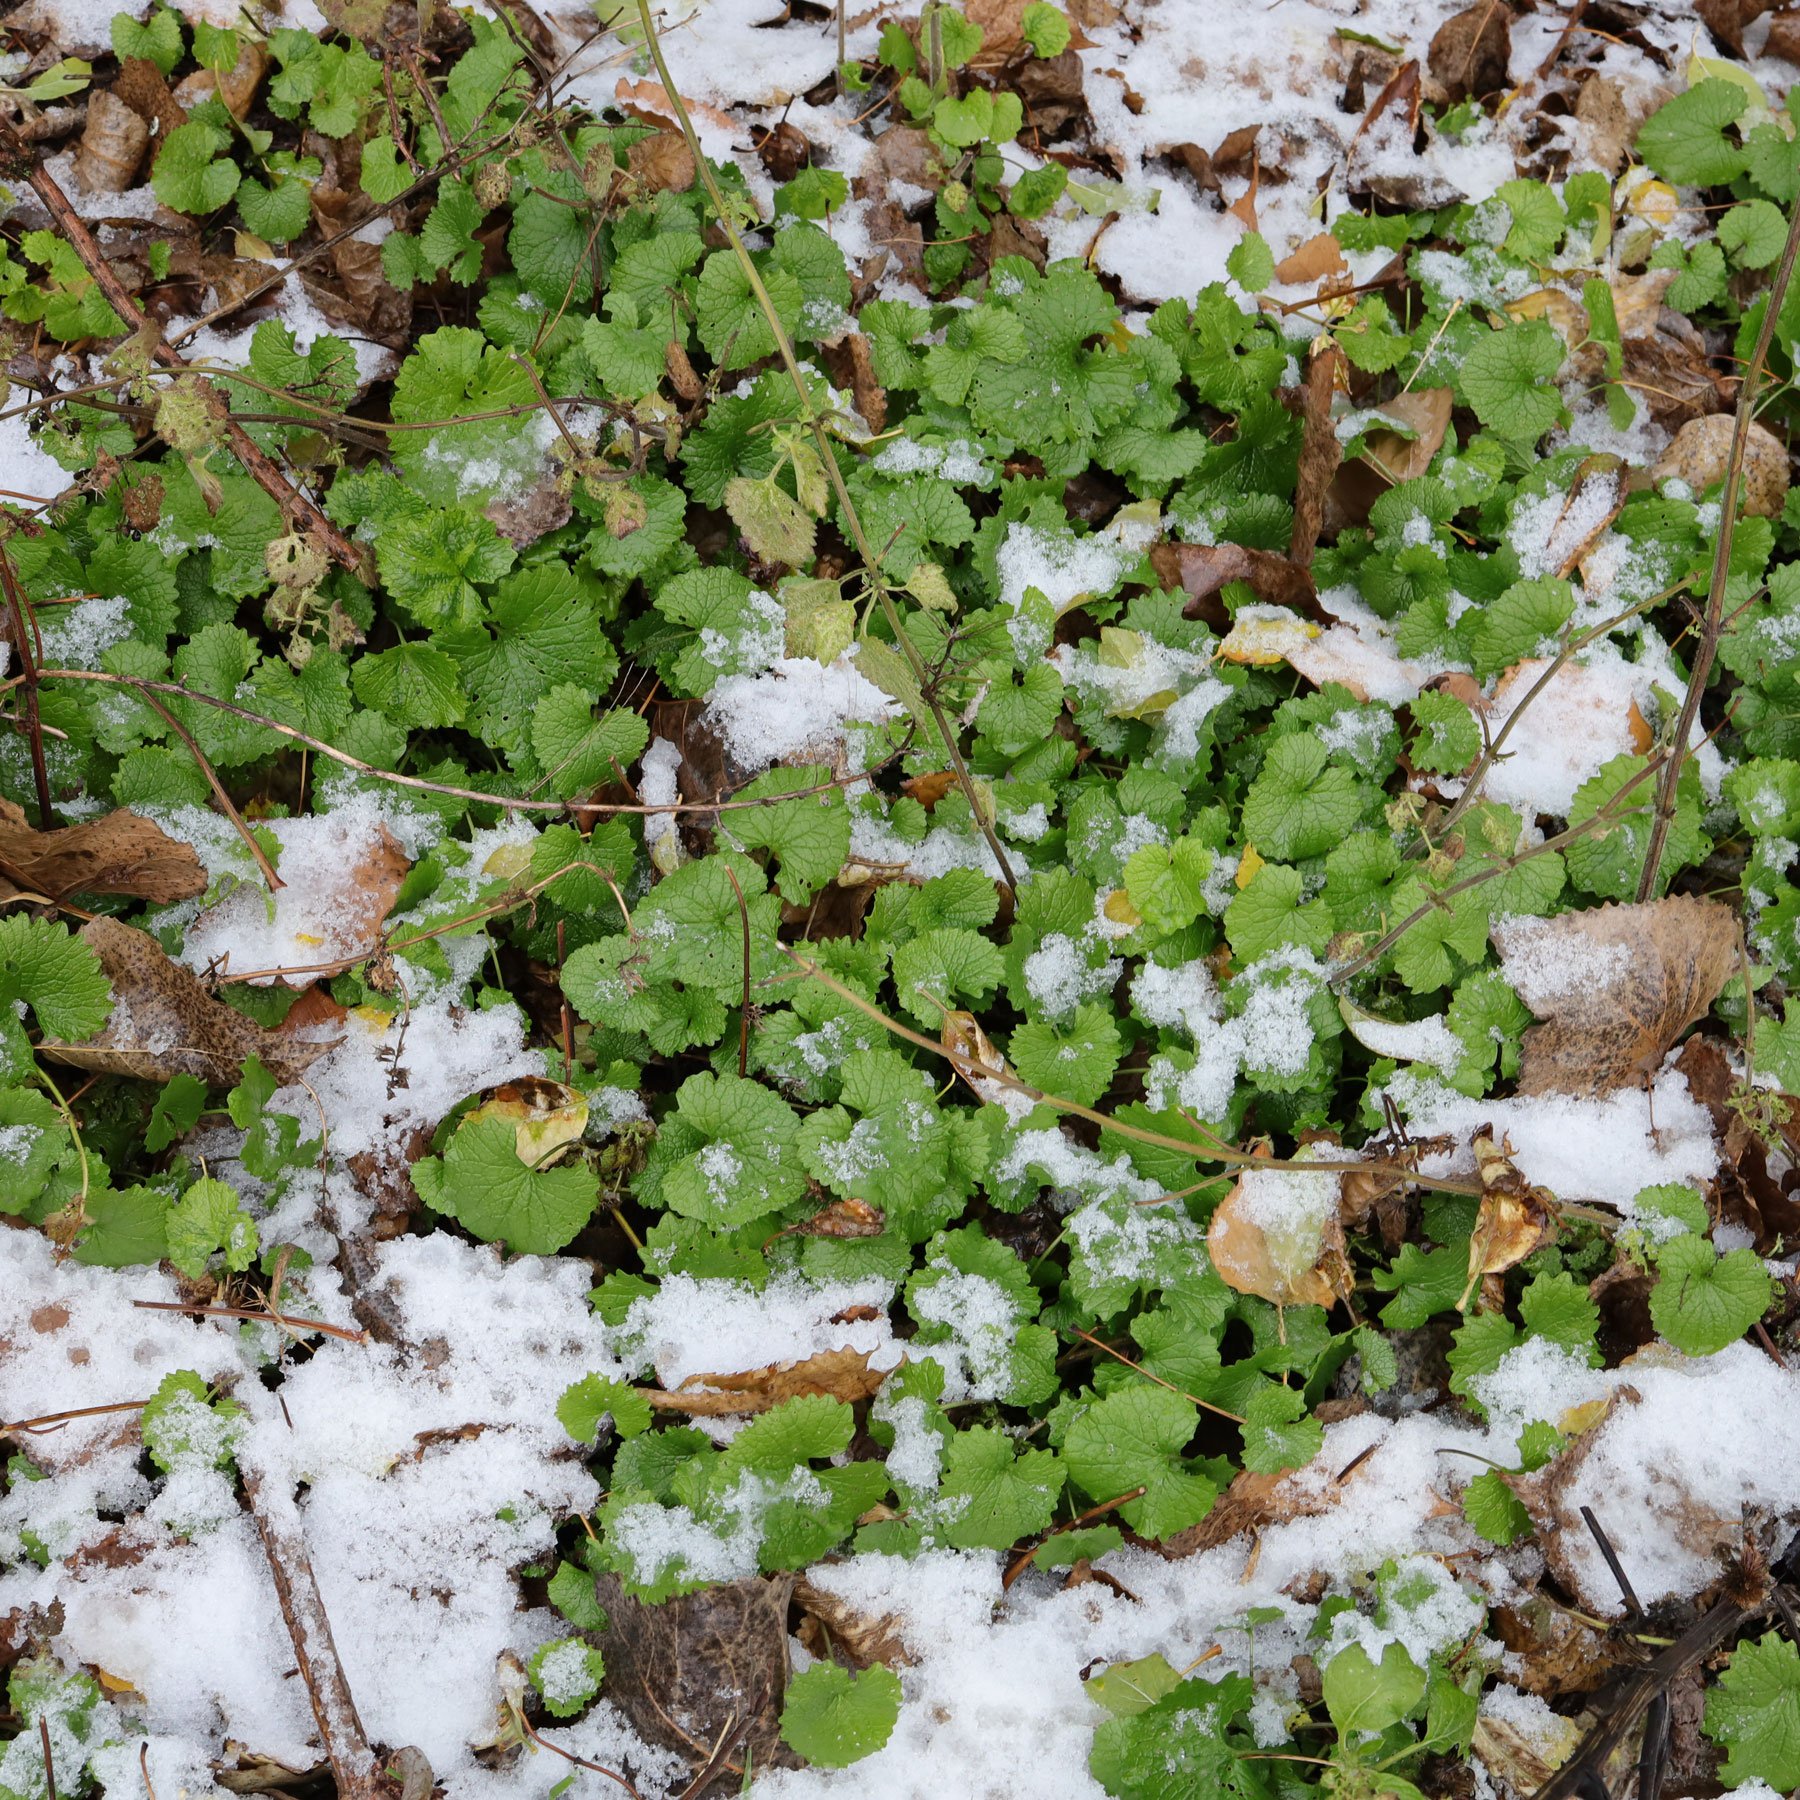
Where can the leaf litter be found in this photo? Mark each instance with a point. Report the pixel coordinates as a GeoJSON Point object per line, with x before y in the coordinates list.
{"type": "Point", "coordinates": [881, 1415]}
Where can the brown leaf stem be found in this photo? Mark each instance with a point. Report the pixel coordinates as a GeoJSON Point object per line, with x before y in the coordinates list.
{"type": "Point", "coordinates": [1712, 625]}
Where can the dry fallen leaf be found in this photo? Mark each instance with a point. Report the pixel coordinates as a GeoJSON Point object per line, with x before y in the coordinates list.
{"type": "Point", "coordinates": [1277, 1235]}
{"type": "Point", "coordinates": [1702, 447]}
{"type": "Point", "coordinates": [164, 1022]}
{"type": "Point", "coordinates": [1320, 451]}
{"type": "Point", "coordinates": [1321, 256]}
{"type": "Point", "coordinates": [841, 1374]}
{"type": "Point", "coordinates": [119, 853]}
{"type": "Point", "coordinates": [841, 1219]}
{"type": "Point", "coordinates": [863, 1638]}
{"type": "Point", "coordinates": [1200, 570]}
{"type": "Point", "coordinates": [1614, 988]}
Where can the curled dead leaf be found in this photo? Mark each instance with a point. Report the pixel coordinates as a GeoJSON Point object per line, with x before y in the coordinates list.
{"type": "Point", "coordinates": [840, 1374]}
{"type": "Point", "coordinates": [1613, 987]}
{"type": "Point", "coordinates": [119, 853]}
{"type": "Point", "coordinates": [1200, 570]}
{"type": "Point", "coordinates": [112, 146]}
{"type": "Point", "coordinates": [841, 1219]}
{"type": "Point", "coordinates": [164, 1023]}
{"type": "Point", "coordinates": [864, 1637]}
{"type": "Point", "coordinates": [1514, 1217]}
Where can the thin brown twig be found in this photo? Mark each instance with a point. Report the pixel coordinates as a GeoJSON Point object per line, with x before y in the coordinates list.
{"type": "Point", "coordinates": [56, 1420]}
{"type": "Point", "coordinates": [1120, 1356]}
{"type": "Point", "coordinates": [30, 649]}
{"type": "Point", "coordinates": [1093, 1512]}
{"type": "Point", "coordinates": [258, 854]}
{"type": "Point", "coordinates": [1712, 625]}
{"type": "Point", "coordinates": [255, 1317]}
{"type": "Point", "coordinates": [509, 802]}
{"type": "Point", "coordinates": [846, 506]}
{"type": "Point", "coordinates": [49, 1758]}
{"type": "Point", "coordinates": [580, 1762]}
{"type": "Point", "coordinates": [1489, 871]}
{"type": "Point", "coordinates": [295, 505]}
{"type": "Point", "coordinates": [341, 1733]}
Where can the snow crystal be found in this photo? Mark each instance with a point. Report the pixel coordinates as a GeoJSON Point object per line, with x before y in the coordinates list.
{"type": "Point", "coordinates": [690, 1327]}
{"type": "Point", "coordinates": [797, 709]}
{"type": "Point", "coordinates": [657, 786]}
{"type": "Point", "coordinates": [1058, 975]}
{"type": "Point", "coordinates": [76, 636]}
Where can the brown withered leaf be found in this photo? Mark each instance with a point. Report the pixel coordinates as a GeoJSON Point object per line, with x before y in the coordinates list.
{"type": "Point", "coordinates": [963, 1037]}
{"type": "Point", "coordinates": [1390, 457]}
{"type": "Point", "coordinates": [546, 1116]}
{"type": "Point", "coordinates": [119, 853]}
{"type": "Point", "coordinates": [930, 788]}
{"type": "Point", "coordinates": [1278, 1235]}
{"type": "Point", "coordinates": [688, 1671]}
{"type": "Point", "coordinates": [1678, 1514]}
{"type": "Point", "coordinates": [111, 147]}
{"type": "Point", "coordinates": [1200, 570]}
{"type": "Point", "coordinates": [1726, 19]}
{"type": "Point", "coordinates": [1514, 1217]}
{"type": "Point", "coordinates": [862, 1638]}
{"type": "Point", "coordinates": [1321, 256]}
{"type": "Point", "coordinates": [841, 1374]}
{"type": "Point", "coordinates": [841, 1219]}
{"type": "Point", "coordinates": [164, 1022]}
{"type": "Point", "coordinates": [1469, 52]}
{"type": "Point", "coordinates": [1614, 988]}
{"type": "Point", "coordinates": [1320, 451]}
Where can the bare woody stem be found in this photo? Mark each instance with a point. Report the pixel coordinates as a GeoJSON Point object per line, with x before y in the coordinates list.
{"type": "Point", "coordinates": [846, 507]}
{"type": "Point", "coordinates": [341, 1733]}
{"type": "Point", "coordinates": [1712, 625]}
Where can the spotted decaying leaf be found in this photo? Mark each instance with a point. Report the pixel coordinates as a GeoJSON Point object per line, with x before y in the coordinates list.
{"type": "Point", "coordinates": [1614, 988]}
{"type": "Point", "coordinates": [840, 1374]}
{"type": "Point", "coordinates": [119, 853]}
{"type": "Point", "coordinates": [546, 1116]}
{"type": "Point", "coordinates": [841, 1219]}
{"type": "Point", "coordinates": [963, 1037]}
{"type": "Point", "coordinates": [1514, 1218]}
{"type": "Point", "coordinates": [164, 1023]}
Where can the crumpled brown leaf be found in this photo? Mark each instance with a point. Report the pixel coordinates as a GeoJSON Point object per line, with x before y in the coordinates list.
{"type": "Point", "coordinates": [688, 1671]}
{"type": "Point", "coordinates": [1320, 451]}
{"type": "Point", "coordinates": [164, 1023]}
{"type": "Point", "coordinates": [1470, 50]}
{"type": "Point", "coordinates": [832, 1625]}
{"type": "Point", "coordinates": [1614, 988]}
{"type": "Point", "coordinates": [841, 1374]}
{"type": "Point", "coordinates": [1555, 1494]}
{"type": "Point", "coordinates": [120, 853]}
{"type": "Point", "coordinates": [1200, 570]}
{"type": "Point", "coordinates": [1514, 1217]}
